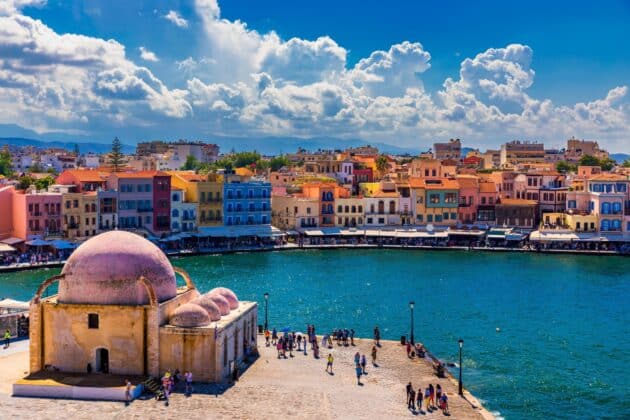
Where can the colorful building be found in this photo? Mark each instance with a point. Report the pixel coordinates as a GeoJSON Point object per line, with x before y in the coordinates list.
{"type": "Point", "coordinates": [36, 214]}
{"type": "Point", "coordinates": [516, 212]}
{"type": "Point", "coordinates": [206, 191]}
{"type": "Point", "coordinates": [83, 179]}
{"type": "Point", "coordinates": [326, 193]}
{"type": "Point", "coordinates": [144, 200]}
{"type": "Point", "coordinates": [79, 214]}
{"type": "Point", "coordinates": [350, 211]}
{"type": "Point", "coordinates": [294, 211]}
{"type": "Point", "coordinates": [246, 201]}
{"type": "Point", "coordinates": [436, 200]}
{"type": "Point", "coordinates": [183, 212]}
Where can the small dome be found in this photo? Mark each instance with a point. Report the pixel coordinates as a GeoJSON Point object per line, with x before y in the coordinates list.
{"type": "Point", "coordinates": [189, 315]}
{"type": "Point", "coordinates": [209, 305]}
{"type": "Point", "coordinates": [105, 270]}
{"type": "Point", "coordinates": [220, 301]}
{"type": "Point", "coordinates": [229, 295]}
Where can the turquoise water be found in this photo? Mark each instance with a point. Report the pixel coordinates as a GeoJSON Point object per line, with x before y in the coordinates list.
{"type": "Point", "coordinates": [562, 352]}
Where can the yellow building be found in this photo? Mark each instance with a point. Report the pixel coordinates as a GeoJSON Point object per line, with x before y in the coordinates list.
{"type": "Point", "coordinates": [435, 201]}
{"type": "Point", "coordinates": [350, 212]}
{"type": "Point", "coordinates": [577, 222]}
{"type": "Point", "coordinates": [294, 211]}
{"type": "Point", "coordinates": [119, 311]}
{"type": "Point", "coordinates": [206, 191]}
{"type": "Point", "coordinates": [79, 215]}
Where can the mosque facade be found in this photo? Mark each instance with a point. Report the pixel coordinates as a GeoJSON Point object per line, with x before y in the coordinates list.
{"type": "Point", "coordinates": [119, 311]}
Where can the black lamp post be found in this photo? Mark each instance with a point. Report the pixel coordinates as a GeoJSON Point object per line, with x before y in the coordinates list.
{"type": "Point", "coordinates": [461, 344]}
{"type": "Point", "coordinates": [266, 310]}
{"type": "Point", "coordinates": [411, 304]}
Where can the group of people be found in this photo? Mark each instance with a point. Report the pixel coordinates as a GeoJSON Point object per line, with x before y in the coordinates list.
{"type": "Point", "coordinates": [288, 341]}
{"type": "Point", "coordinates": [431, 396]}
{"type": "Point", "coordinates": [170, 380]}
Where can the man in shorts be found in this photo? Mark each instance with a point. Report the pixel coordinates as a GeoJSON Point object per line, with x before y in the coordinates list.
{"type": "Point", "coordinates": [330, 363]}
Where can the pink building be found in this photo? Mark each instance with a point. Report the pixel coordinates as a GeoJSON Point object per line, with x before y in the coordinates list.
{"type": "Point", "coordinates": [144, 199]}
{"type": "Point", "coordinates": [468, 198]}
{"type": "Point", "coordinates": [36, 214]}
{"type": "Point", "coordinates": [6, 212]}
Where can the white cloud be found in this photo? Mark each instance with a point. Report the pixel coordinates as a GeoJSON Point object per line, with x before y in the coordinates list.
{"type": "Point", "coordinates": [147, 55]}
{"type": "Point", "coordinates": [177, 19]}
{"type": "Point", "coordinates": [244, 82]}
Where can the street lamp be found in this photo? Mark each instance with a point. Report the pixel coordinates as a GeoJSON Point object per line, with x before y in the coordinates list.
{"type": "Point", "coordinates": [411, 304]}
{"type": "Point", "coordinates": [461, 344]}
{"type": "Point", "coordinates": [266, 310]}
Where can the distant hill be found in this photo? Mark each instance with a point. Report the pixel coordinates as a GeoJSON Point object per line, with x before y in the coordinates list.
{"type": "Point", "coordinates": [277, 145]}
{"type": "Point", "coordinates": [84, 147]}
{"type": "Point", "coordinates": [619, 157]}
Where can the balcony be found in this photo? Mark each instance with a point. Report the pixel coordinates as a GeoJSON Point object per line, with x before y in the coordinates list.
{"type": "Point", "coordinates": [145, 210]}
{"type": "Point", "coordinates": [74, 226]}
{"type": "Point", "coordinates": [188, 218]}
{"type": "Point", "coordinates": [36, 213]}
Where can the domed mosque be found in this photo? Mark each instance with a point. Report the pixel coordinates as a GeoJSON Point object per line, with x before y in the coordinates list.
{"type": "Point", "coordinates": [119, 311]}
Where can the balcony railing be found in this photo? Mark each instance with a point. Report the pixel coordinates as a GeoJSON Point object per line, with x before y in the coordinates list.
{"type": "Point", "coordinates": [145, 210]}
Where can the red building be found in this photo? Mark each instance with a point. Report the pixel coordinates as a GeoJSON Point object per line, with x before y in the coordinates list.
{"type": "Point", "coordinates": [84, 179]}
{"type": "Point", "coordinates": [161, 202]}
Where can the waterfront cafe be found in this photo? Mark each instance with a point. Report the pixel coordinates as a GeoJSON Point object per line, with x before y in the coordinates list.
{"type": "Point", "coordinates": [568, 239]}
{"type": "Point", "coordinates": [357, 236]}
{"type": "Point", "coordinates": [466, 237]}
{"type": "Point", "coordinates": [238, 236]}
{"type": "Point", "coordinates": [505, 237]}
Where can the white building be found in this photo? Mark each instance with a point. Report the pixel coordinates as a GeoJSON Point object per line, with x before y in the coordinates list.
{"type": "Point", "coordinates": [183, 214]}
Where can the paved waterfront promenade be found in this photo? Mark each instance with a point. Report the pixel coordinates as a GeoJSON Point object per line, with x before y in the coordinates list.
{"type": "Point", "coordinates": [271, 388]}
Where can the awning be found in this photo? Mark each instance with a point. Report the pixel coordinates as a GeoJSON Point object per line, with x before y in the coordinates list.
{"type": "Point", "coordinates": [539, 236]}
{"type": "Point", "coordinates": [467, 232]}
{"type": "Point", "coordinates": [38, 242]}
{"type": "Point", "coordinates": [6, 248]}
{"type": "Point", "coordinates": [61, 244]}
{"type": "Point", "coordinates": [13, 304]}
{"type": "Point", "coordinates": [12, 241]}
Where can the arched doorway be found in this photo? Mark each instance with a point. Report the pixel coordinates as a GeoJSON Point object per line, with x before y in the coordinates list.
{"type": "Point", "coordinates": [102, 360]}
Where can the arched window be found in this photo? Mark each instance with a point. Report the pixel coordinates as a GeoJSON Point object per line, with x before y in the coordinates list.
{"type": "Point", "coordinates": [606, 208]}
{"type": "Point", "coordinates": [175, 213]}
{"type": "Point", "coordinates": [354, 209]}
{"type": "Point", "coordinates": [175, 197]}
{"type": "Point", "coordinates": [605, 225]}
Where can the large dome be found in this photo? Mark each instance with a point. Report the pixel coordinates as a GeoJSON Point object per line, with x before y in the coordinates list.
{"type": "Point", "coordinates": [105, 270]}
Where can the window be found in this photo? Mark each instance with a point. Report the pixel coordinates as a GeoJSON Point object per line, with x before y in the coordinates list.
{"type": "Point", "coordinates": [140, 189]}
{"type": "Point", "coordinates": [438, 218]}
{"type": "Point", "coordinates": [339, 209]}
{"type": "Point", "coordinates": [454, 216]}
{"type": "Point", "coordinates": [434, 198]}
{"type": "Point", "coordinates": [175, 197]}
{"type": "Point", "coordinates": [450, 197]}
{"type": "Point", "coordinates": [429, 218]}
{"type": "Point", "coordinates": [93, 321]}
{"type": "Point", "coordinates": [308, 210]}
{"type": "Point", "coordinates": [420, 218]}
{"type": "Point", "coordinates": [445, 216]}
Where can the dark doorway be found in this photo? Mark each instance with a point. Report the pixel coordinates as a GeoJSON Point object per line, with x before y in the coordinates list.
{"type": "Point", "coordinates": [102, 360]}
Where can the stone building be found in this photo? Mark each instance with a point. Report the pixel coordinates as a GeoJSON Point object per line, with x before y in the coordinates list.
{"type": "Point", "coordinates": [119, 311]}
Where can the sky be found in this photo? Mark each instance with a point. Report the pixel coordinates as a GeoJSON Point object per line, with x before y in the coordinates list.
{"type": "Point", "coordinates": [404, 73]}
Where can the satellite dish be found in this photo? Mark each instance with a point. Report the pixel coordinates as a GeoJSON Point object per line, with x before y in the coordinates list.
{"type": "Point", "coordinates": [430, 228]}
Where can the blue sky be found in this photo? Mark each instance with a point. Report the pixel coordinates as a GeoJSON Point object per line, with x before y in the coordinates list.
{"type": "Point", "coordinates": [406, 73]}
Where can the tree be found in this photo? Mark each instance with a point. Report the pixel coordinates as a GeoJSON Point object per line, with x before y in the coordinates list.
{"type": "Point", "coordinates": [588, 160]}
{"type": "Point", "coordinates": [76, 149]}
{"type": "Point", "coordinates": [565, 167]}
{"type": "Point", "coordinates": [116, 155]}
{"type": "Point", "coordinates": [626, 163]}
{"type": "Point", "coordinates": [243, 159]}
{"type": "Point", "coordinates": [24, 182]}
{"type": "Point", "coordinates": [278, 162]}
{"type": "Point", "coordinates": [382, 164]}
{"type": "Point", "coordinates": [44, 183]}
{"type": "Point", "coordinates": [6, 162]}
{"type": "Point", "coordinates": [36, 168]}
{"type": "Point", "coordinates": [607, 164]}
{"type": "Point", "coordinates": [191, 163]}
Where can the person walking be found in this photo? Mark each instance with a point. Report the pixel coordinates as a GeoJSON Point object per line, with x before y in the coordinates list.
{"type": "Point", "coordinates": [419, 399]}
{"type": "Point", "coordinates": [377, 336]}
{"type": "Point", "coordinates": [274, 336]}
{"type": "Point", "coordinates": [412, 400]}
{"type": "Point", "coordinates": [427, 398]}
{"type": "Point", "coordinates": [374, 355]}
{"type": "Point", "coordinates": [357, 359]}
{"type": "Point", "coordinates": [329, 364]}
{"type": "Point", "coordinates": [299, 341]}
{"type": "Point", "coordinates": [408, 388]}
{"type": "Point", "coordinates": [7, 338]}
{"type": "Point", "coordinates": [188, 377]}
{"type": "Point", "coordinates": [267, 334]}
{"type": "Point", "coordinates": [363, 364]}
{"type": "Point", "coordinates": [432, 395]}
{"type": "Point", "coordinates": [352, 337]}
{"type": "Point", "coordinates": [438, 393]}
{"type": "Point", "coordinates": [358, 371]}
